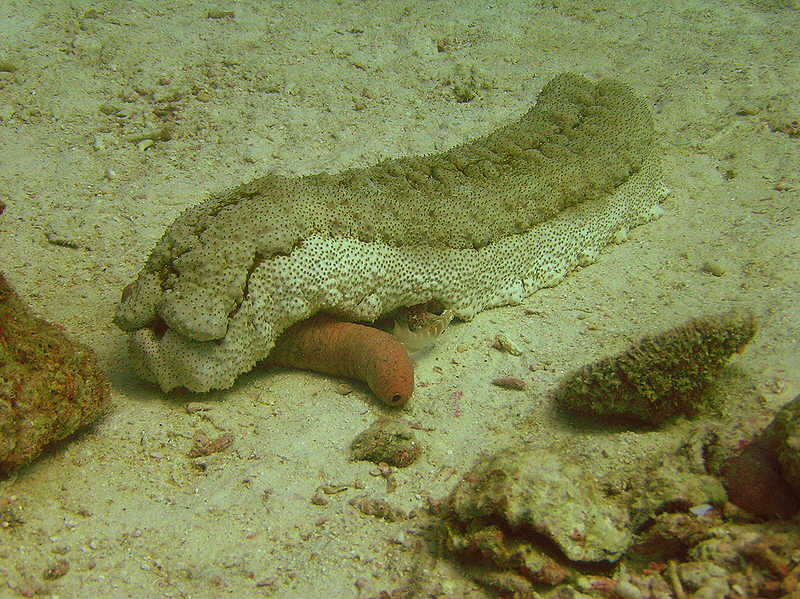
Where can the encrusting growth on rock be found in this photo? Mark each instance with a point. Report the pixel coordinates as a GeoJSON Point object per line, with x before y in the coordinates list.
{"type": "Point", "coordinates": [388, 441]}
{"type": "Point", "coordinates": [49, 386]}
{"type": "Point", "coordinates": [661, 376]}
{"type": "Point", "coordinates": [356, 351]}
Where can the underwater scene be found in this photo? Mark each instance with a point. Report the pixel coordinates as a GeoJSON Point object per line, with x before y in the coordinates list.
{"type": "Point", "coordinates": [400, 300]}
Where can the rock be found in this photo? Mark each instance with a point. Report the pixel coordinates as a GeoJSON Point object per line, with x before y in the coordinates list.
{"type": "Point", "coordinates": [505, 514]}
{"type": "Point", "coordinates": [672, 480]}
{"type": "Point", "coordinates": [753, 481]}
{"type": "Point", "coordinates": [389, 441]}
{"type": "Point", "coordinates": [763, 476]}
{"type": "Point", "coordinates": [784, 439]}
{"type": "Point", "coordinates": [695, 575]}
{"type": "Point", "coordinates": [712, 589]}
{"type": "Point", "coordinates": [49, 386]}
{"type": "Point", "coordinates": [716, 443]}
{"type": "Point", "coordinates": [661, 376]}
{"type": "Point", "coordinates": [671, 487]}
{"type": "Point", "coordinates": [669, 537]}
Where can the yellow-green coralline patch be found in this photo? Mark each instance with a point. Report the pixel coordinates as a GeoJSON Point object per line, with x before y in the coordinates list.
{"type": "Point", "coordinates": [661, 376]}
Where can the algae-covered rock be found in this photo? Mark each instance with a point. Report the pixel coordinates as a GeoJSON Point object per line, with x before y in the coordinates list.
{"type": "Point", "coordinates": [661, 376]}
{"type": "Point", "coordinates": [505, 514]}
{"type": "Point", "coordinates": [669, 536]}
{"type": "Point", "coordinates": [662, 483]}
{"type": "Point", "coordinates": [389, 441]}
{"type": "Point", "coordinates": [49, 386]}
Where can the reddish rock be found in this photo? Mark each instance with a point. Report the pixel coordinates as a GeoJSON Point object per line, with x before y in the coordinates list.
{"type": "Point", "coordinates": [753, 481]}
{"type": "Point", "coordinates": [784, 440]}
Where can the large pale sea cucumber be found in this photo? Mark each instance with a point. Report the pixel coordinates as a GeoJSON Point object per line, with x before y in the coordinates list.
{"type": "Point", "coordinates": [483, 224]}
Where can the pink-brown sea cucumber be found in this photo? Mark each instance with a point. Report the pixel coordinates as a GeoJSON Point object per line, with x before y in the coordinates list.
{"type": "Point", "coordinates": [347, 349]}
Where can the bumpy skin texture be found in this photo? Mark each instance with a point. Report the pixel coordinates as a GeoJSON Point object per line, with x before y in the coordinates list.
{"type": "Point", "coordinates": [483, 224]}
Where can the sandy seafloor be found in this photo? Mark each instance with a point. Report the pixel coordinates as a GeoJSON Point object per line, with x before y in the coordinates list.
{"type": "Point", "coordinates": [299, 88]}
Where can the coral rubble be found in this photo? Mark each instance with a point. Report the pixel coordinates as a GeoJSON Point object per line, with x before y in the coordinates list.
{"type": "Point", "coordinates": [389, 441]}
{"type": "Point", "coordinates": [511, 509]}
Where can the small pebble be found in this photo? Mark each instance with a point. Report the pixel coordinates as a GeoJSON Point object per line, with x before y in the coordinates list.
{"type": "Point", "coordinates": [503, 343]}
{"type": "Point", "coordinates": [713, 268]}
{"type": "Point", "coordinates": [508, 382]}
{"type": "Point", "coordinates": [56, 570]}
{"type": "Point", "coordinates": [782, 185]}
{"type": "Point", "coordinates": [386, 440]}
{"type": "Point", "coordinates": [702, 509]}
{"type": "Point", "coordinates": [625, 590]}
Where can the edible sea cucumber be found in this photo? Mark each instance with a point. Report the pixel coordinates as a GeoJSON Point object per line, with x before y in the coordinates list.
{"type": "Point", "coordinates": [483, 224]}
{"type": "Point", "coordinates": [351, 350]}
